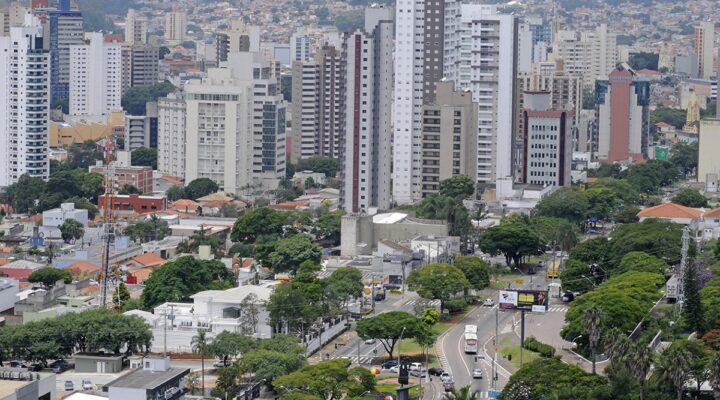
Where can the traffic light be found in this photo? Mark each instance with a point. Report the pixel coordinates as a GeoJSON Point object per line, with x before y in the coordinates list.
{"type": "Point", "coordinates": [403, 377]}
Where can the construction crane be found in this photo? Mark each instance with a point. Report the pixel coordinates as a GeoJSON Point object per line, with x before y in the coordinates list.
{"type": "Point", "coordinates": [108, 219]}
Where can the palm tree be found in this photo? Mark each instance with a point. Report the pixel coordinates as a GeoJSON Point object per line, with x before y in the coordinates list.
{"type": "Point", "coordinates": [200, 344]}
{"type": "Point", "coordinates": [465, 393]}
{"type": "Point", "coordinates": [618, 345]}
{"type": "Point", "coordinates": [674, 365]}
{"type": "Point", "coordinates": [591, 320]}
{"type": "Point", "coordinates": [639, 358]}
{"type": "Point", "coordinates": [714, 375]}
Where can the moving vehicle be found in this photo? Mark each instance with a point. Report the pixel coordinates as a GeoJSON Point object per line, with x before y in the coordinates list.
{"type": "Point", "coordinates": [36, 367]}
{"type": "Point", "coordinates": [446, 377]}
{"type": "Point", "coordinates": [470, 339]}
{"type": "Point", "coordinates": [448, 386]}
{"type": "Point", "coordinates": [87, 385]}
{"type": "Point", "coordinates": [488, 302]}
{"type": "Point", "coordinates": [568, 297]}
{"type": "Point", "coordinates": [553, 270]}
{"type": "Point", "coordinates": [389, 364]}
{"type": "Point", "coordinates": [395, 369]}
{"type": "Point", "coordinates": [415, 366]}
{"type": "Point", "coordinates": [477, 373]}
{"type": "Point", "coordinates": [222, 363]}
{"type": "Point", "coordinates": [436, 371]}
{"type": "Point", "coordinates": [370, 341]}
{"type": "Point", "coordinates": [69, 386]}
{"type": "Point", "coordinates": [420, 373]}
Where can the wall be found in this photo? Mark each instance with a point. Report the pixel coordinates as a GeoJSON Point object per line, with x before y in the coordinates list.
{"type": "Point", "coordinates": [357, 230]}
{"type": "Point", "coordinates": [116, 393]}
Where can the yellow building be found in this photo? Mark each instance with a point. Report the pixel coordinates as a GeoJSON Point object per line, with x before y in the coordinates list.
{"type": "Point", "coordinates": [64, 134]}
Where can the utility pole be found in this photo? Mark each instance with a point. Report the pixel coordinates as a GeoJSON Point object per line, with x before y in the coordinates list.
{"type": "Point", "coordinates": [682, 271]}
{"type": "Point", "coordinates": [495, 343]}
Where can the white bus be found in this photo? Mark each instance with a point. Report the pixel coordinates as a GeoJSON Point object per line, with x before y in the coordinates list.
{"type": "Point", "coordinates": [471, 329]}
{"type": "Point", "coordinates": [471, 343]}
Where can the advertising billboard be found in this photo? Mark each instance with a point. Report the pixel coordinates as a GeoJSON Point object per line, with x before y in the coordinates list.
{"type": "Point", "coordinates": [528, 300]}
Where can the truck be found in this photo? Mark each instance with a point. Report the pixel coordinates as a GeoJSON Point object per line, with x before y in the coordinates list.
{"type": "Point", "coordinates": [553, 270]}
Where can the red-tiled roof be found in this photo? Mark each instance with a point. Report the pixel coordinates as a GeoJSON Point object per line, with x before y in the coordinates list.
{"type": "Point", "coordinates": [289, 205]}
{"type": "Point", "coordinates": [150, 260]}
{"type": "Point", "coordinates": [17, 273]}
{"type": "Point", "coordinates": [83, 267]}
{"type": "Point", "coordinates": [715, 212]}
{"type": "Point", "coordinates": [670, 210]}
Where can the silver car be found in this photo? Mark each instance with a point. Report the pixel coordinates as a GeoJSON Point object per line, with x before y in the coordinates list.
{"type": "Point", "coordinates": [477, 373]}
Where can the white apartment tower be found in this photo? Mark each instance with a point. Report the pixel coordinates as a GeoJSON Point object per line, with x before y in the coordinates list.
{"type": "Point", "coordinates": [175, 26]}
{"type": "Point", "coordinates": [305, 109]}
{"type": "Point", "coordinates": [300, 45]}
{"type": "Point", "coordinates": [219, 130]}
{"type": "Point", "coordinates": [704, 45]}
{"type": "Point", "coordinates": [368, 137]}
{"type": "Point", "coordinates": [135, 28]}
{"type": "Point", "coordinates": [480, 57]}
{"type": "Point", "coordinates": [268, 164]}
{"type": "Point", "coordinates": [171, 134]}
{"type": "Point", "coordinates": [95, 77]}
{"type": "Point", "coordinates": [24, 103]}
{"type": "Point", "coordinates": [590, 54]}
{"type": "Point", "coordinates": [408, 88]}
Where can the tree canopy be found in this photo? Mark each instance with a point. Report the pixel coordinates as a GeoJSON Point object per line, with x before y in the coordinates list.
{"type": "Point", "coordinates": [135, 98]}
{"type": "Point", "coordinates": [71, 230]}
{"type": "Point", "coordinates": [325, 165]}
{"type": "Point", "coordinates": [260, 221]}
{"type": "Point", "coordinates": [690, 198]}
{"type": "Point", "coordinates": [329, 380]}
{"type": "Point", "coordinates": [292, 251]}
{"type": "Point", "coordinates": [512, 239]}
{"type": "Point", "coordinates": [144, 156]}
{"type": "Point", "coordinates": [387, 328]}
{"type": "Point", "coordinates": [177, 280]}
{"type": "Point", "coordinates": [49, 275]}
{"type": "Point", "coordinates": [547, 378]}
{"type": "Point", "coordinates": [459, 186]}
{"type": "Point", "coordinates": [475, 270]}
{"type": "Point", "coordinates": [438, 281]}
{"type": "Point", "coordinates": [200, 187]}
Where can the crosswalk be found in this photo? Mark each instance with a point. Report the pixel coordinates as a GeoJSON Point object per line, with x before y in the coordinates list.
{"type": "Point", "coordinates": [354, 359]}
{"type": "Point", "coordinates": [432, 303]}
{"type": "Point", "coordinates": [557, 309]}
{"type": "Point", "coordinates": [366, 276]}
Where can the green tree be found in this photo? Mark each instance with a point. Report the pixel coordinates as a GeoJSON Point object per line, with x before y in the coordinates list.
{"type": "Point", "coordinates": [673, 116]}
{"type": "Point", "coordinates": [325, 165]}
{"type": "Point", "coordinates": [200, 344]}
{"type": "Point", "coordinates": [329, 380]}
{"type": "Point", "coordinates": [135, 98]}
{"type": "Point", "coordinates": [673, 366]}
{"type": "Point", "coordinates": [602, 202]}
{"type": "Point", "coordinates": [230, 344]}
{"type": "Point", "coordinates": [149, 230]}
{"type": "Point", "coordinates": [513, 240]}
{"type": "Point", "coordinates": [567, 203]}
{"type": "Point", "coordinates": [177, 280]}
{"type": "Point", "coordinates": [162, 51]}
{"type": "Point", "coordinates": [438, 281]}
{"type": "Point", "coordinates": [71, 230]}
{"type": "Point", "coordinates": [257, 222]}
{"type": "Point", "coordinates": [289, 305]}
{"type": "Point", "coordinates": [464, 393]}
{"type": "Point", "coordinates": [475, 270]}
{"type": "Point", "coordinates": [592, 322]}
{"type": "Point", "coordinates": [388, 327]}
{"type": "Point", "coordinates": [23, 194]}
{"type": "Point", "coordinates": [690, 198]}
{"type": "Point", "coordinates": [641, 261]}
{"type": "Point", "coordinates": [576, 276]}
{"type": "Point", "coordinates": [120, 295]}
{"type": "Point", "coordinates": [145, 157]}
{"type": "Point", "coordinates": [556, 233]}
{"type": "Point", "coordinates": [200, 238]}
{"type": "Point", "coordinates": [48, 276]}
{"type": "Point", "coordinates": [175, 192]}
{"type": "Point", "coordinates": [290, 252]}
{"type": "Point", "coordinates": [129, 189]}
{"type": "Point", "coordinates": [271, 364]}
{"type": "Point", "coordinates": [459, 186]}
{"type": "Point", "coordinates": [652, 236]}
{"type": "Point", "coordinates": [327, 227]}
{"type": "Point", "coordinates": [714, 374]}
{"type": "Point", "coordinates": [644, 60]}
{"type": "Point", "coordinates": [685, 157]}
{"type": "Point", "coordinates": [546, 378]}
{"type": "Point", "coordinates": [200, 187]}
{"type": "Point", "coordinates": [345, 283]}
{"type": "Point", "coordinates": [693, 313]}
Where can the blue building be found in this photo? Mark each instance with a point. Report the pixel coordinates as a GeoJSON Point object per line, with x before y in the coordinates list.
{"type": "Point", "coordinates": [65, 27]}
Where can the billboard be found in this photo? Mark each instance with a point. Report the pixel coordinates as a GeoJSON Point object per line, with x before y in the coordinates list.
{"type": "Point", "coordinates": [528, 300]}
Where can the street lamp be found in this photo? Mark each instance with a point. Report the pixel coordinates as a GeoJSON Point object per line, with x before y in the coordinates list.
{"type": "Point", "coordinates": [574, 346]}
{"type": "Point", "coordinates": [399, 342]}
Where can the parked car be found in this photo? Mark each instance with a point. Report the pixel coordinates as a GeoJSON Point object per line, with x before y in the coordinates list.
{"type": "Point", "coordinates": [395, 369]}
{"type": "Point", "coordinates": [392, 286]}
{"type": "Point", "coordinates": [380, 296]}
{"type": "Point", "coordinates": [488, 302]}
{"type": "Point", "coordinates": [69, 386]}
{"type": "Point", "coordinates": [389, 364]}
{"type": "Point", "coordinates": [415, 366]}
{"type": "Point", "coordinates": [436, 371]}
{"type": "Point", "coordinates": [568, 297]}
{"type": "Point", "coordinates": [17, 364]}
{"type": "Point", "coordinates": [36, 367]}
{"type": "Point", "coordinates": [477, 373]}
{"type": "Point", "coordinates": [222, 363]}
{"type": "Point", "coordinates": [420, 373]}
{"type": "Point", "coordinates": [87, 385]}
{"type": "Point", "coordinates": [59, 366]}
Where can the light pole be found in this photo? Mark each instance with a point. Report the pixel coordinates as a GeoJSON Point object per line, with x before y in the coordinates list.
{"type": "Point", "coordinates": [399, 342]}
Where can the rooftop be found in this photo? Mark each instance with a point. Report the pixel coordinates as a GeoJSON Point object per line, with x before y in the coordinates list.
{"type": "Point", "coordinates": [235, 295]}
{"type": "Point", "coordinates": [389, 218]}
{"type": "Point", "coordinates": [670, 210]}
{"type": "Point", "coordinates": [150, 260]}
{"type": "Point", "coordinates": [145, 379]}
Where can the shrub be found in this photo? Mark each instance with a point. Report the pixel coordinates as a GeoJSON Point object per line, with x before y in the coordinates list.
{"type": "Point", "coordinates": [455, 305]}
{"type": "Point", "coordinates": [545, 350]}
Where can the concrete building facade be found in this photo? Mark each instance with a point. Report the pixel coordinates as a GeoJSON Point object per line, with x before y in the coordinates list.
{"type": "Point", "coordinates": [135, 28]}
{"type": "Point", "coordinates": [705, 49]}
{"type": "Point", "coordinates": [95, 77]}
{"type": "Point", "coordinates": [175, 26]}
{"type": "Point", "coordinates": [708, 161]}
{"type": "Point", "coordinates": [366, 164]}
{"type": "Point", "coordinates": [171, 134]}
{"type": "Point", "coordinates": [24, 103]}
{"type": "Point", "coordinates": [448, 137]}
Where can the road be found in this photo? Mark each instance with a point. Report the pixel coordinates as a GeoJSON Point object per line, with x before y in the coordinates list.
{"type": "Point", "coordinates": [450, 345]}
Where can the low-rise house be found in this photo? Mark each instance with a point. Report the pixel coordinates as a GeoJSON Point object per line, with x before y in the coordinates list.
{"type": "Point", "coordinates": [155, 380]}
{"type": "Point", "coordinates": [21, 384]}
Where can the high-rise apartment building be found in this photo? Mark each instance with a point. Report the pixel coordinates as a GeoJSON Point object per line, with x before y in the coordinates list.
{"type": "Point", "coordinates": [135, 28]}
{"type": "Point", "coordinates": [408, 94]}
{"type": "Point", "coordinates": [708, 161]}
{"type": "Point", "coordinates": [175, 27]}
{"type": "Point", "coordinates": [622, 103]}
{"type": "Point", "coordinates": [318, 106]}
{"type": "Point", "coordinates": [268, 165]}
{"type": "Point", "coordinates": [64, 28]}
{"type": "Point", "coordinates": [449, 133]}
{"type": "Point", "coordinates": [368, 138]}
{"type": "Point", "coordinates": [24, 103]}
{"type": "Point", "coordinates": [547, 141]}
{"type": "Point", "coordinates": [305, 110]}
{"type": "Point", "coordinates": [481, 51]}
{"type": "Point", "coordinates": [171, 134]}
{"type": "Point", "coordinates": [219, 130]}
{"type": "Point", "coordinates": [591, 54]}
{"type": "Point", "coordinates": [239, 38]}
{"type": "Point", "coordinates": [144, 65]}
{"type": "Point", "coordinates": [300, 45]}
{"type": "Point", "coordinates": [704, 49]}
{"type": "Point", "coordinates": [95, 77]}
